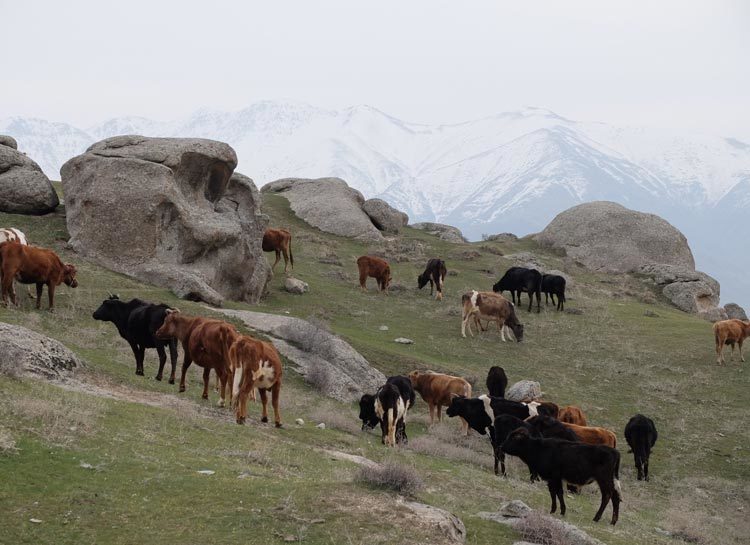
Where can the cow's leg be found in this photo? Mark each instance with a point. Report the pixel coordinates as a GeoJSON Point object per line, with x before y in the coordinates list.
{"type": "Point", "coordinates": [206, 379]}
{"type": "Point", "coordinates": [463, 327]}
{"type": "Point", "coordinates": [162, 360]}
{"type": "Point", "coordinates": [742, 358]}
{"type": "Point", "coordinates": [275, 398]}
{"type": "Point", "coordinates": [286, 257]}
{"type": "Point", "coordinates": [187, 360]}
{"type": "Point", "coordinates": [172, 358]}
{"type": "Point", "coordinates": [615, 498]}
{"type": "Point", "coordinates": [538, 301]}
{"type": "Point", "coordinates": [645, 466]}
{"type": "Point", "coordinates": [39, 290]}
{"type": "Point", "coordinates": [606, 492]}
{"type": "Point", "coordinates": [552, 495]}
{"type": "Point", "coordinates": [638, 465]}
{"type": "Point", "coordinates": [439, 412]}
{"type": "Point", "coordinates": [719, 350]}
{"type": "Point", "coordinates": [363, 281]}
{"type": "Point", "coordinates": [264, 401]}
{"type": "Point", "coordinates": [432, 414]}
{"type": "Point", "coordinates": [560, 496]}
{"type": "Point", "coordinates": [222, 378]}
{"type": "Point", "coordinates": [51, 294]}
{"type": "Point", "coordinates": [278, 258]}
{"type": "Point", "coordinates": [137, 355]}
{"type": "Point", "coordinates": [241, 406]}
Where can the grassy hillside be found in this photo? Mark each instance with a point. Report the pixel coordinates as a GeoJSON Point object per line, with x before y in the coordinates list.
{"type": "Point", "coordinates": [145, 444]}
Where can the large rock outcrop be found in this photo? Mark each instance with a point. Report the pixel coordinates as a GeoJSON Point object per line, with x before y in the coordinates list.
{"type": "Point", "coordinates": [442, 231]}
{"type": "Point", "coordinates": [689, 290]}
{"type": "Point", "coordinates": [328, 204]}
{"type": "Point", "coordinates": [24, 188]}
{"type": "Point", "coordinates": [384, 216]}
{"type": "Point", "coordinates": [171, 212]}
{"type": "Point", "coordinates": [24, 352]}
{"type": "Point", "coordinates": [607, 237]}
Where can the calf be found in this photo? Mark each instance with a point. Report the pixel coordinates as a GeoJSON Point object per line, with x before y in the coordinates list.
{"type": "Point", "coordinates": [730, 332]}
{"type": "Point", "coordinates": [374, 267]}
{"type": "Point", "coordinates": [31, 265]}
{"type": "Point", "coordinates": [640, 433]}
{"type": "Point", "coordinates": [369, 416]}
{"type": "Point", "coordinates": [496, 381]}
{"type": "Point", "coordinates": [519, 280]}
{"type": "Point", "coordinates": [137, 322]}
{"type": "Point", "coordinates": [438, 390]}
{"type": "Point", "coordinates": [492, 307]}
{"type": "Point", "coordinates": [434, 273]}
{"type": "Point", "coordinates": [553, 284]}
{"type": "Point", "coordinates": [480, 412]}
{"type": "Point", "coordinates": [590, 435]}
{"type": "Point", "coordinates": [572, 415]}
{"type": "Point", "coordinates": [390, 410]}
{"type": "Point", "coordinates": [255, 364]}
{"type": "Point", "coordinates": [557, 460]}
{"type": "Point", "coordinates": [279, 241]}
{"type": "Point", "coordinates": [205, 341]}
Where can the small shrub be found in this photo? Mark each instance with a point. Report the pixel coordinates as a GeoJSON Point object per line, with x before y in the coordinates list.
{"type": "Point", "coordinates": [392, 476]}
{"type": "Point", "coordinates": [538, 528]}
{"type": "Point", "coordinates": [7, 443]}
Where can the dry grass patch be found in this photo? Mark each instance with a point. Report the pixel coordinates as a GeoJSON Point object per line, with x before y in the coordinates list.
{"type": "Point", "coordinates": [544, 530]}
{"type": "Point", "coordinates": [392, 476]}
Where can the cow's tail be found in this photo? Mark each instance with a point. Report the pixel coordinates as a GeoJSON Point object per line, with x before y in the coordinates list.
{"type": "Point", "coordinates": [236, 386]}
{"type": "Point", "coordinates": [618, 488]}
{"type": "Point", "coordinates": [391, 426]}
{"type": "Point", "coordinates": [291, 257]}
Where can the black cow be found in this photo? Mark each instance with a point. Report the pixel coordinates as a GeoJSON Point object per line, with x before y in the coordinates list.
{"type": "Point", "coordinates": [434, 273]}
{"type": "Point", "coordinates": [553, 284]}
{"type": "Point", "coordinates": [480, 412]}
{"type": "Point", "coordinates": [504, 425]}
{"type": "Point", "coordinates": [557, 460]}
{"type": "Point", "coordinates": [519, 280]}
{"type": "Point", "coordinates": [137, 322]}
{"type": "Point", "coordinates": [367, 406]}
{"type": "Point", "coordinates": [496, 381]}
{"type": "Point", "coordinates": [640, 433]}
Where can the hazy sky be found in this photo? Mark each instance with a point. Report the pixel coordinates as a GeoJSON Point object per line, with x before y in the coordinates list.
{"type": "Point", "coordinates": [683, 64]}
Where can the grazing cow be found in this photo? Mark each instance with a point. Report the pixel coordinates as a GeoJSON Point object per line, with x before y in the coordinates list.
{"type": "Point", "coordinates": [519, 280]}
{"type": "Point", "coordinates": [434, 273]}
{"type": "Point", "coordinates": [279, 241]}
{"type": "Point", "coordinates": [492, 307]}
{"type": "Point", "coordinates": [557, 460]}
{"type": "Point", "coordinates": [505, 424]}
{"type": "Point", "coordinates": [553, 284]}
{"type": "Point", "coordinates": [546, 425]}
{"type": "Point", "coordinates": [137, 322]}
{"type": "Point", "coordinates": [496, 381]}
{"type": "Point", "coordinates": [730, 332]}
{"type": "Point", "coordinates": [438, 390]}
{"type": "Point", "coordinates": [255, 364]}
{"type": "Point", "coordinates": [370, 418]}
{"type": "Point", "coordinates": [480, 412]}
{"type": "Point", "coordinates": [640, 433]}
{"type": "Point", "coordinates": [572, 415]}
{"type": "Point", "coordinates": [374, 267]}
{"type": "Point", "coordinates": [31, 265]}
{"type": "Point", "coordinates": [390, 410]}
{"type": "Point", "coordinates": [205, 341]}
{"type": "Point", "coordinates": [11, 234]}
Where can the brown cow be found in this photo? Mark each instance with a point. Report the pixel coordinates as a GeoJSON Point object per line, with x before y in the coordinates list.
{"type": "Point", "coordinates": [730, 332]}
{"type": "Point", "coordinates": [438, 390]}
{"type": "Point", "coordinates": [255, 364]}
{"type": "Point", "coordinates": [374, 267]}
{"type": "Point", "coordinates": [572, 415]}
{"type": "Point", "coordinates": [594, 436]}
{"type": "Point", "coordinates": [204, 341]}
{"type": "Point", "coordinates": [31, 265]}
{"type": "Point", "coordinates": [492, 307]}
{"type": "Point", "coordinates": [279, 241]}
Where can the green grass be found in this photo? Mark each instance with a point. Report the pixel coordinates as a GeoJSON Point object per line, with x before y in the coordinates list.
{"type": "Point", "coordinates": [611, 360]}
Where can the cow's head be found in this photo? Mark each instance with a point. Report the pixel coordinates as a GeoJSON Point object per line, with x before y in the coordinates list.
{"type": "Point", "coordinates": [414, 378]}
{"type": "Point", "coordinates": [498, 286]}
{"type": "Point", "coordinates": [367, 412]}
{"type": "Point", "coordinates": [168, 329]}
{"type": "Point", "coordinates": [107, 311]}
{"type": "Point", "coordinates": [457, 406]}
{"type": "Point", "coordinates": [516, 442]}
{"type": "Point", "coordinates": [517, 330]}
{"type": "Point", "coordinates": [422, 280]}
{"type": "Point", "coordinates": [387, 278]}
{"type": "Point", "coordinates": [69, 275]}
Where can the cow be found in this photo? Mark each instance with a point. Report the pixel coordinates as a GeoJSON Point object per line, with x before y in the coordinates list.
{"type": "Point", "coordinates": [496, 381]}
{"type": "Point", "coordinates": [519, 280]}
{"type": "Point", "coordinates": [641, 435]}
{"type": "Point", "coordinates": [558, 460]}
{"type": "Point", "coordinates": [136, 322]}
{"type": "Point", "coordinates": [205, 341]}
{"type": "Point", "coordinates": [587, 434]}
{"type": "Point", "coordinates": [505, 424]}
{"type": "Point", "coordinates": [434, 273]}
{"type": "Point", "coordinates": [492, 307]}
{"type": "Point", "coordinates": [369, 416]}
{"type": "Point", "coordinates": [572, 415]}
{"type": "Point", "coordinates": [730, 332]}
{"type": "Point", "coordinates": [279, 241]}
{"type": "Point", "coordinates": [11, 234]}
{"type": "Point", "coordinates": [438, 389]}
{"type": "Point", "coordinates": [255, 364]}
{"type": "Point", "coordinates": [480, 412]}
{"type": "Point", "coordinates": [31, 265]}
{"type": "Point", "coordinates": [374, 267]}
{"type": "Point", "coordinates": [390, 410]}
{"type": "Point", "coordinates": [553, 284]}
{"type": "Point", "coordinates": [547, 408]}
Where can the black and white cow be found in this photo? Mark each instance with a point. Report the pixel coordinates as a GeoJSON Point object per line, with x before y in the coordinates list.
{"type": "Point", "coordinates": [519, 280]}
{"type": "Point", "coordinates": [367, 406]}
{"type": "Point", "coordinates": [137, 322]}
{"type": "Point", "coordinates": [480, 412]}
{"type": "Point", "coordinates": [390, 410]}
{"type": "Point", "coordinates": [434, 273]}
{"type": "Point", "coordinates": [553, 284]}
{"type": "Point", "coordinates": [641, 435]}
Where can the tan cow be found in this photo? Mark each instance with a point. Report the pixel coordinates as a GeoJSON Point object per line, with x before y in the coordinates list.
{"type": "Point", "coordinates": [279, 241]}
{"type": "Point", "coordinates": [490, 306]}
{"type": "Point", "coordinates": [730, 332]}
{"type": "Point", "coordinates": [255, 364]}
{"type": "Point", "coordinates": [572, 415]}
{"type": "Point", "coordinates": [593, 435]}
{"type": "Point", "coordinates": [438, 389]}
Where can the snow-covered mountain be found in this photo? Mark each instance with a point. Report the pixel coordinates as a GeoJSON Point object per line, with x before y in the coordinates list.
{"type": "Point", "coordinates": [507, 172]}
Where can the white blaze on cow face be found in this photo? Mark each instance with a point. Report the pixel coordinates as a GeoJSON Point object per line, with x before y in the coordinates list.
{"type": "Point", "coordinates": [264, 377]}
{"type": "Point", "coordinates": [533, 408]}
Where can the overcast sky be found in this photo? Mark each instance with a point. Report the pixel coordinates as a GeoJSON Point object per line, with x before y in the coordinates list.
{"type": "Point", "coordinates": [682, 64]}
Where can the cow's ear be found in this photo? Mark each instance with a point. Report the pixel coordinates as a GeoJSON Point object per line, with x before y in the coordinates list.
{"type": "Point", "coordinates": [173, 310]}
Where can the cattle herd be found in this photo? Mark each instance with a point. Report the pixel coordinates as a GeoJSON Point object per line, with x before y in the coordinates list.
{"type": "Point", "coordinates": [556, 443]}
